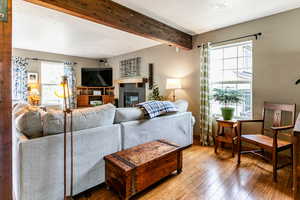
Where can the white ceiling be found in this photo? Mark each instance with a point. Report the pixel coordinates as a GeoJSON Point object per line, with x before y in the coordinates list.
{"type": "Point", "coordinates": [42, 29]}
{"type": "Point", "coordinates": [199, 16]}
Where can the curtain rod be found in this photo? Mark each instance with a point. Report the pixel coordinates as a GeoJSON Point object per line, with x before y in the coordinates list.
{"type": "Point", "coordinates": [256, 35]}
{"type": "Point", "coordinates": [47, 60]}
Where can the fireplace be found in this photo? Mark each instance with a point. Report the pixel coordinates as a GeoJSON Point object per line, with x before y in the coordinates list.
{"type": "Point", "coordinates": [131, 94]}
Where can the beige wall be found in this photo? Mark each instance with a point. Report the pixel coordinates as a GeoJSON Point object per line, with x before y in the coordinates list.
{"type": "Point", "coordinates": [167, 64]}
{"type": "Point", "coordinates": [276, 61]}
{"type": "Point", "coordinates": [276, 56]}
{"type": "Point", "coordinates": [35, 66]}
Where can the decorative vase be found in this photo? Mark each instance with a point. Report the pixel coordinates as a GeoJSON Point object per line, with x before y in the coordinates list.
{"type": "Point", "coordinates": [227, 113]}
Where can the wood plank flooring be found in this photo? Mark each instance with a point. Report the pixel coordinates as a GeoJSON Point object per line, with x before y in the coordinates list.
{"type": "Point", "coordinates": [206, 176]}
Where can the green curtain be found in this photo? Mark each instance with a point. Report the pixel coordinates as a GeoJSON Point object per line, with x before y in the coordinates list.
{"type": "Point", "coordinates": [206, 136]}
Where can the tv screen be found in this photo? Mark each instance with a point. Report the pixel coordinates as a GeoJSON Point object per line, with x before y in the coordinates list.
{"type": "Point", "coordinates": [96, 77]}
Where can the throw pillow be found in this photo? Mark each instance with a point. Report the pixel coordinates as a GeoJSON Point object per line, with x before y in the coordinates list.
{"type": "Point", "coordinates": [53, 121]}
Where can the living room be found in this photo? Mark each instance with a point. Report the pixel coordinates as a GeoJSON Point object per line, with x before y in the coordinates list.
{"type": "Point", "coordinates": [241, 60]}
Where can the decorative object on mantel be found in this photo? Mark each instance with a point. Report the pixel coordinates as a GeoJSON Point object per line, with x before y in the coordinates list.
{"type": "Point", "coordinates": [173, 84]}
{"type": "Point", "coordinates": [297, 82]}
{"type": "Point", "coordinates": [155, 94]}
{"type": "Point", "coordinates": [65, 93]}
{"type": "Point", "coordinates": [130, 67]}
{"type": "Point", "coordinates": [227, 97]}
{"type": "Point", "coordinates": [151, 71]}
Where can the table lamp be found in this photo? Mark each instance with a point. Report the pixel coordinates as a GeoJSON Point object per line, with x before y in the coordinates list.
{"type": "Point", "coordinates": [173, 84]}
{"type": "Point", "coordinates": [34, 94]}
{"type": "Point", "coordinates": [64, 92]}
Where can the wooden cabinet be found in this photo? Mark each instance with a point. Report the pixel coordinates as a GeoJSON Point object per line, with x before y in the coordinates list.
{"type": "Point", "coordinates": [86, 96]}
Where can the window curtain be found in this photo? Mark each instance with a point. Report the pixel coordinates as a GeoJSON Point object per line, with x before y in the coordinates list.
{"type": "Point", "coordinates": [19, 79]}
{"type": "Point", "coordinates": [206, 136]}
{"type": "Point", "coordinates": [70, 73]}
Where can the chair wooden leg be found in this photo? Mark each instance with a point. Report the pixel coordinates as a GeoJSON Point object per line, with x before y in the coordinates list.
{"type": "Point", "coordinates": [216, 146]}
{"type": "Point", "coordinates": [239, 151]}
{"type": "Point", "coordinates": [275, 160]}
{"type": "Point", "coordinates": [292, 161]}
{"type": "Point", "coordinates": [233, 148]}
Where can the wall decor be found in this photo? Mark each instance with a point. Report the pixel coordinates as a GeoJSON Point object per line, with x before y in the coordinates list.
{"type": "Point", "coordinates": [3, 10]}
{"type": "Point", "coordinates": [151, 70]}
{"type": "Point", "coordinates": [33, 77]}
{"type": "Point", "coordinates": [130, 67]}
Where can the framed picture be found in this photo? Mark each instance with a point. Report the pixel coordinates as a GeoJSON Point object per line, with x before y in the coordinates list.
{"type": "Point", "coordinates": [33, 77]}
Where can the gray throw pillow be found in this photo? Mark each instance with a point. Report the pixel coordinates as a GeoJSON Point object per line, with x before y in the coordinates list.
{"type": "Point", "coordinates": [30, 123]}
{"type": "Point", "coordinates": [128, 114]}
{"type": "Point", "coordinates": [53, 121]}
{"type": "Point", "coordinates": [182, 105]}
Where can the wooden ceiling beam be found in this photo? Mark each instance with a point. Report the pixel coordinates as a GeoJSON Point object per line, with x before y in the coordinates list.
{"type": "Point", "coordinates": [109, 13]}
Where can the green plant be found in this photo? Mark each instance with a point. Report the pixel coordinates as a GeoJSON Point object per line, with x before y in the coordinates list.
{"type": "Point", "coordinates": [227, 96]}
{"type": "Point", "coordinates": [155, 94]}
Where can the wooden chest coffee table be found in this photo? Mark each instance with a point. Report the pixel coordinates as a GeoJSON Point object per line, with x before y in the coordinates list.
{"type": "Point", "coordinates": [132, 170]}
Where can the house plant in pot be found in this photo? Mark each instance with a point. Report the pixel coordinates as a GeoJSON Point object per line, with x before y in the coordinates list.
{"type": "Point", "coordinates": [227, 97]}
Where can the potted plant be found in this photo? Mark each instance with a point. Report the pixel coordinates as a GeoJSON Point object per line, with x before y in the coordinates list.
{"type": "Point", "coordinates": [155, 94]}
{"type": "Point", "coordinates": [227, 97]}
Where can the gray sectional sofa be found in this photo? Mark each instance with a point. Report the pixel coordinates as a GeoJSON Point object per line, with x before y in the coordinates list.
{"type": "Point", "coordinates": [98, 131]}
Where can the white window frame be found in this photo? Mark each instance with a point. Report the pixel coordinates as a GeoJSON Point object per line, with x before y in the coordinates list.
{"type": "Point", "coordinates": [233, 82]}
{"type": "Point", "coordinates": [59, 101]}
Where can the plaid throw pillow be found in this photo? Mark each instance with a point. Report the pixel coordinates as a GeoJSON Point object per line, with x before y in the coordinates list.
{"type": "Point", "coordinates": [156, 108]}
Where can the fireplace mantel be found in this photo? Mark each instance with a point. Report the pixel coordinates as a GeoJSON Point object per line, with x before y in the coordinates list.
{"type": "Point", "coordinates": [132, 80]}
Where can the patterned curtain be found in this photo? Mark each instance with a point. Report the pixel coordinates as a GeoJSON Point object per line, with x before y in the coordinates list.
{"type": "Point", "coordinates": [70, 73]}
{"type": "Point", "coordinates": [206, 136]}
{"type": "Point", "coordinates": [20, 79]}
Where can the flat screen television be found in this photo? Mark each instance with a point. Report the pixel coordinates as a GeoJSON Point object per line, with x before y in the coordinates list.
{"type": "Point", "coordinates": [96, 77]}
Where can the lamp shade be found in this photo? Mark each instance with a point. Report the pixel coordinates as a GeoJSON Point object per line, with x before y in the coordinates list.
{"type": "Point", "coordinates": [173, 83]}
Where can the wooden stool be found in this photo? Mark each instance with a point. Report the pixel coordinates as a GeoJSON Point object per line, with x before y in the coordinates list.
{"type": "Point", "coordinates": [221, 137]}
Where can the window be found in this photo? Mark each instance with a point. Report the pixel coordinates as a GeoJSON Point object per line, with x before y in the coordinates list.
{"type": "Point", "coordinates": [231, 67]}
{"type": "Point", "coordinates": [51, 74]}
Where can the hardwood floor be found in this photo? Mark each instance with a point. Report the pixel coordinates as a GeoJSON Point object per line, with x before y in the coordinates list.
{"type": "Point", "coordinates": [207, 176]}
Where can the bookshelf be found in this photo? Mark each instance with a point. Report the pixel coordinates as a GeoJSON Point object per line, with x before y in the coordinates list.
{"type": "Point", "coordinates": [91, 96]}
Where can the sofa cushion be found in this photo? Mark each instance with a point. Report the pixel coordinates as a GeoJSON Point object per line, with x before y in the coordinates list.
{"type": "Point", "coordinates": [53, 121]}
{"type": "Point", "coordinates": [29, 122]}
{"type": "Point", "coordinates": [128, 114]}
{"type": "Point", "coordinates": [181, 105]}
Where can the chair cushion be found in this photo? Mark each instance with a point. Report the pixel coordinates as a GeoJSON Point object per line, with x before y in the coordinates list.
{"type": "Point", "coordinates": [264, 140]}
{"type": "Point", "coordinates": [53, 121]}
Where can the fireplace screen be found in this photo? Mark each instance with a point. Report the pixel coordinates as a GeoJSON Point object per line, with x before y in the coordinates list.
{"type": "Point", "coordinates": [131, 99]}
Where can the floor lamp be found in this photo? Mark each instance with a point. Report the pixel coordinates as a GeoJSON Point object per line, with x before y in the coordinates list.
{"type": "Point", "coordinates": [65, 93]}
